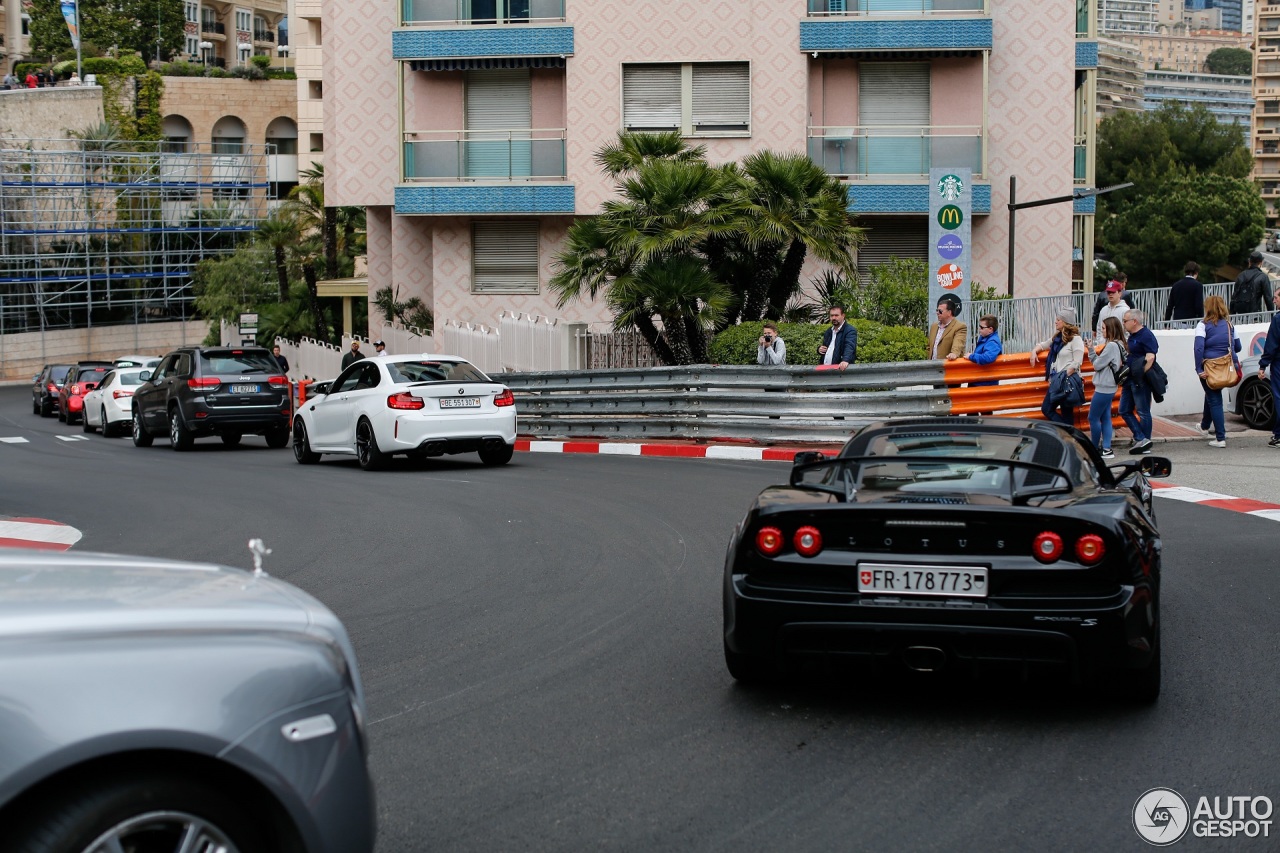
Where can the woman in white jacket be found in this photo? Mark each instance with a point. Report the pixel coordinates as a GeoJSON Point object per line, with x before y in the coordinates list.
{"type": "Point", "coordinates": [1066, 354]}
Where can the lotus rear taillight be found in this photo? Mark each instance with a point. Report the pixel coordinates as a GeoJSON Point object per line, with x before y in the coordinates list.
{"type": "Point", "coordinates": [808, 541]}
{"type": "Point", "coordinates": [1047, 547]}
{"type": "Point", "coordinates": [1090, 549]}
{"type": "Point", "coordinates": [769, 541]}
{"type": "Point", "coordinates": [405, 400]}
{"type": "Point", "coordinates": [506, 398]}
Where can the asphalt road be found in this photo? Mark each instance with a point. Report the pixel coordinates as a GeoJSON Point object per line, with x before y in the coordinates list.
{"type": "Point", "coordinates": [540, 645]}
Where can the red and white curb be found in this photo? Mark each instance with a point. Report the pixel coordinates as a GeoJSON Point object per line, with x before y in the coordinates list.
{"type": "Point", "coordinates": [1261, 509]}
{"type": "Point", "coordinates": [39, 533]}
{"type": "Point", "coordinates": [683, 451]}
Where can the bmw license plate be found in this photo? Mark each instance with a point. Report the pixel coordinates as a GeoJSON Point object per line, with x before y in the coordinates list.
{"type": "Point", "coordinates": [459, 402]}
{"type": "Point", "coordinates": [898, 579]}
{"type": "Point", "coordinates": [244, 389]}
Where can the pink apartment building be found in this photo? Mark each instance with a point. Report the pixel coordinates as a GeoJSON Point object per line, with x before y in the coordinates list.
{"type": "Point", "coordinates": [468, 127]}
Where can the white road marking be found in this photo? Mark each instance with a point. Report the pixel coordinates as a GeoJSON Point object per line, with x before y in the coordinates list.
{"type": "Point", "coordinates": [619, 449]}
{"type": "Point", "coordinates": [718, 452]}
{"type": "Point", "coordinates": [546, 446]}
{"type": "Point", "coordinates": [73, 438]}
{"type": "Point", "coordinates": [13, 440]}
{"type": "Point", "coordinates": [53, 533]}
{"type": "Point", "coordinates": [1183, 493]}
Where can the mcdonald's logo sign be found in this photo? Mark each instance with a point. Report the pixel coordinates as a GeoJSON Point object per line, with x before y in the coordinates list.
{"type": "Point", "coordinates": [950, 217]}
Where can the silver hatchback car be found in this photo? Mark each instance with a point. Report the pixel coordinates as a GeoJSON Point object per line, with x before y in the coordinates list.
{"type": "Point", "coordinates": [149, 705]}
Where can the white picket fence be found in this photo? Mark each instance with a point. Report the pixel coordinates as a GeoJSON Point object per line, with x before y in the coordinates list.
{"type": "Point", "coordinates": [520, 343]}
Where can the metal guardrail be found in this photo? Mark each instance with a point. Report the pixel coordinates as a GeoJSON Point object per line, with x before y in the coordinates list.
{"type": "Point", "coordinates": [790, 404]}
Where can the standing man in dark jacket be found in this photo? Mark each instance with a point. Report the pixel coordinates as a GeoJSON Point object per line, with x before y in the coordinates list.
{"type": "Point", "coordinates": [1186, 297]}
{"type": "Point", "coordinates": [840, 342]}
{"type": "Point", "coordinates": [1252, 287]}
{"type": "Point", "coordinates": [1271, 358]}
{"type": "Point", "coordinates": [353, 356]}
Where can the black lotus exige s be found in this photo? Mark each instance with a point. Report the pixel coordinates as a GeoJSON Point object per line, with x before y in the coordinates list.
{"type": "Point", "coordinates": [965, 545]}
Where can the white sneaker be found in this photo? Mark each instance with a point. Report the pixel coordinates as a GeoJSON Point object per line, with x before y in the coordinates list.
{"type": "Point", "coordinates": [1217, 444]}
{"type": "Point", "coordinates": [1207, 432]}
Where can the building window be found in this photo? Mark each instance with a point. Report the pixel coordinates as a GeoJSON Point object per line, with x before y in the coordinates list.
{"type": "Point", "coordinates": [192, 45]}
{"type": "Point", "coordinates": [504, 257]}
{"type": "Point", "coordinates": [228, 145]}
{"type": "Point", "coordinates": [700, 98]}
{"type": "Point", "coordinates": [244, 20]}
{"type": "Point", "coordinates": [191, 12]}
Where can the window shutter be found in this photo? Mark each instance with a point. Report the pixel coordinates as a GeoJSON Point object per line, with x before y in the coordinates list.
{"type": "Point", "coordinates": [651, 97]}
{"type": "Point", "coordinates": [722, 96]}
{"type": "Point", "coordinates": [891, 236]}
{"type": "Point", "coordinates": [894, 93]}
{"type": "Point", "coordinates": [499, 114]}
{"type": "Point", "coordinates": [504, 257]}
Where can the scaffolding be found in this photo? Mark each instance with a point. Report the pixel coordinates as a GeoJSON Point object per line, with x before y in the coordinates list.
{"type": "Point", "coordinates": [105, 233]}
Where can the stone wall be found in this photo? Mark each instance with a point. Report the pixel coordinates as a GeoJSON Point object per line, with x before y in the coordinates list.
{"type": "Point", "coordinates": [23, 355]}
{"type": "Point", "coordinates": [204, 100]}
{"type": "Point", "coordinates": [50, 113]}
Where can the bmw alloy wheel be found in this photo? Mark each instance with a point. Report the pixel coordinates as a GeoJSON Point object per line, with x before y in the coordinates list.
{"type": "Point", "coordinates": [176, 830]}
{"type": "Point", "coordinates": [1256, 405]}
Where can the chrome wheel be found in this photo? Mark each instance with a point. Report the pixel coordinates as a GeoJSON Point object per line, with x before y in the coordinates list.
{"type": "Point", "coordinates": [141, 438]}
{"type": "Point", "coordinates": [164, 830]}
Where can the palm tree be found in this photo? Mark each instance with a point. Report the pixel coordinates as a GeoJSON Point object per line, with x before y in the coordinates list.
{"type": "Point", "coordinates": [633, 150]}
{"type": "Point", "coordinates": [280, 233]}
{"type": "Point", "coordinates": [792, 201]}
{"type": "Point", "coordinates": [680, 290]}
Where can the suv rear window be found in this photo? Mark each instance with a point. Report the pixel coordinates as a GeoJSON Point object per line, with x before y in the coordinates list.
{"type": "Point", "coordinates": [224, 361]}
{"type": "Point", "coordinates": [435, 371]}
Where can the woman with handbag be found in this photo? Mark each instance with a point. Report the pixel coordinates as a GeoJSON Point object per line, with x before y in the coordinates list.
{"type": "Point", "coordinates": [1216, 346]}
{"type": "Point", "coordinates": [1062, 368]}
{"type": "Point", "coordinates": [1109, 360]}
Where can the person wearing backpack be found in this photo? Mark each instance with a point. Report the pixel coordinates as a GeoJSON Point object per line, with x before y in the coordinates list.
{"type": "Point", "coordinates": [1109, 362]}
{"type": "Point", "coordinates": [1252, 287]}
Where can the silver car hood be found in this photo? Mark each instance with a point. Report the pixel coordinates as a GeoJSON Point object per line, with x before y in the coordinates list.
{"type": "Point", "coordinates": [44, 594]}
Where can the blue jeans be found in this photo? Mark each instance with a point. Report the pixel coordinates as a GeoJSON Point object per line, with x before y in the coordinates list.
{"type": "Point", "coordinates": [1213, 412]}
{"type": "Point", "coordinates": [1051, 413]}
{"type": "Point", "coordinates": [1100, 419]}
{"type": "Point", "coordinates": [1136, 398]}
{"type": "Point", "coordinates": [1275, 398]}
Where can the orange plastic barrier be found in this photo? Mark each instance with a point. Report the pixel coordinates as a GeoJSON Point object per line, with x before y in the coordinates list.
{"type": "Point", "coordinates": [1020, 392]}
{"type": "Point", "coordinates": [302, 390]}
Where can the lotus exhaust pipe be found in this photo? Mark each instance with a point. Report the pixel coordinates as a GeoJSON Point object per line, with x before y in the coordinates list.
{"type": "Point", "coordinates": [924, 658]}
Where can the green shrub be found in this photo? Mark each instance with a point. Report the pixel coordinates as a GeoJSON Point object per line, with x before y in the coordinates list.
{"type": "Point", "coordinates": [182, 69]}
{"type": "Point", "coordinates": [22, 69]}
{"type": "Point", "coordinates": [215, 71]}
{"type": "Point", "coordinates": [129, 66]}
{"type": "Point", "coordinates": [263, 62]}
{"type": "Point", "coordinates": [249, 72]}
{"type": "Point", "coordinates": [876, 343]}
{"type": "Point", "coordinates": [281, 74]}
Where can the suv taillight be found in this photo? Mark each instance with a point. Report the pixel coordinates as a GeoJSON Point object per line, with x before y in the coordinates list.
{"type": "Point", "coordinates": [278, 382]}
{"type": "Point", "coordinates": [405, 400]}
{"type": "Point", "coordinates": [506, 398]}
{"type": "Point", "coordinates": [206, 384]}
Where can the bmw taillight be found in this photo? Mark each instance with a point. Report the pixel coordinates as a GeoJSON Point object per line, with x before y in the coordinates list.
{"type": "Point", "coordinates": [1090, 549]}
{"type": "Point", "coordinates": [207, 383]}
{"type": "Point", "coordinates": [117, 394]}
{"type": "Point", "coordinates": [1047, 547]}
{"type": "Point", "coordinates": [405, 400]}
{"type": "Point", "coordinates": [769, 541]}
{"type": "Point", "coordinates": [808, 541]}
{"type": "Point", "coordinates": [278, 382]}
{"type": "Point", "coordinates": [506, 398]}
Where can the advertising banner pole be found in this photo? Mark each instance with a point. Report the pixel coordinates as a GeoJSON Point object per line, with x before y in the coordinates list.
{"type": "Point", "coordinates": [950, 229]}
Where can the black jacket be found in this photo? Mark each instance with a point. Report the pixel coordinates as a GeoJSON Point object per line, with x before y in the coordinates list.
{"type": "Point", "coordinates": [846, 344]}
{"type": "Point", "coordinates": [351, 358]}
{"type": "Point", "coordinates": [1186, 300]}
{"type": "Point", "coordinates": [1253, 286]}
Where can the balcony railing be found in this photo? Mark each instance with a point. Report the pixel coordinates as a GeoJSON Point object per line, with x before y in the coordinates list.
{"type": "Point", "coordinates": [469, 12]}
{"type": "Point", "coordinates": [215, 28]}
{"type": "Point", "coordinates": [861, 152]}
{"type": "Point", "coordinates": [840, 8]}
{"type": "Point", "coordinates": [484, 155]}
{"type": "Point", "coordinates": [264, 35]}
{"type": "Point", "coordinates": [1081, 173]}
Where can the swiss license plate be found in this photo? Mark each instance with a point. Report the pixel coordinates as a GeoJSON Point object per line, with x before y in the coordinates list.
{"type": "Point", "coordinates": [898, 579]}
{"type": "Point", "coordinates": [244, 389]}
{"type": "Point", "coordinates": [459, 402]}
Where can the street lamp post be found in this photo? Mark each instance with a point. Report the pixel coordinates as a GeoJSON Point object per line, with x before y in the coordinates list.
{"type": "Point", "coordinates": [1015, 206]}
{"type": "Point", "coordinates": [282, 51]}
{"type": "Point", "coordinates": [205, 47]}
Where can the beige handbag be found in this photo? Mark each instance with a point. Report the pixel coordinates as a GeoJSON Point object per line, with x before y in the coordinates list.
{"type": "Point", "coordinates": [1220, 372]}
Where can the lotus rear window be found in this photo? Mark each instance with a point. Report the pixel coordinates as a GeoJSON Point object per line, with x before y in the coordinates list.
{"type": "Point", "coordinates": [403, 372]}
{"type": "Point", "coordinates": [220, 362]}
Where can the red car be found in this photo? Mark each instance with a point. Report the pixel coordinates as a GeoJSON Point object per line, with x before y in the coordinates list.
{"type": "Point", "coordinates": [81, 379]}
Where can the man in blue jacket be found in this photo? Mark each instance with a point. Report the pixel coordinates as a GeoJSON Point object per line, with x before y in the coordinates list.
{"type": "Point", "coordinates": [840, 342]}
{"type": "Point", "coordinates": [1271, 357]}
{"type": "Point", "coordinates": [989, 346]}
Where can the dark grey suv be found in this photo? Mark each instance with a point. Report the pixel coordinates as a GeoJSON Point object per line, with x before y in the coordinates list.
{"type": "Point", "coordinates": [223, 391]}
{"type": "Point", "coordinates": [154, 705]}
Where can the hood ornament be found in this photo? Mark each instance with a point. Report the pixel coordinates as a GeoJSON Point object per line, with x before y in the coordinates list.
{"type": "Point", "coordinates": [259, 550]}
